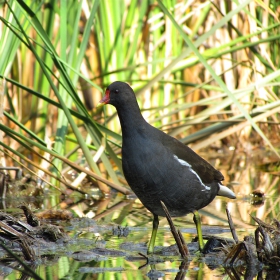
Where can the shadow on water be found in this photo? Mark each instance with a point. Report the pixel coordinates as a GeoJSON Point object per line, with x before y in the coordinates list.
{"type": "Point", "coordinates": [105, 236]}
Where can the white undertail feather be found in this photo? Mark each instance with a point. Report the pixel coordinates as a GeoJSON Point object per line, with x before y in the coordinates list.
{"type": "Point", "coordinates": [226, 192]}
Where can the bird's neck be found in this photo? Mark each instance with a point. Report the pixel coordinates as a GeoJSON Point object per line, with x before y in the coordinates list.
{"type": "Point", "coordinates": [131, 119]}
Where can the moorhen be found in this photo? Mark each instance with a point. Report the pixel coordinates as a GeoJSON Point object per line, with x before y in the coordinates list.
{"type": "Point", "coordinates": [159, 168]}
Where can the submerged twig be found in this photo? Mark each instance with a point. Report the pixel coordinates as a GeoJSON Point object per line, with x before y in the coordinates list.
{"type": "Point", "coordinates": [183, 268]}
{"type": "Point", "coordinates": [27, 269]}
{"type": "Point", "coordinates": [183, 242]}
{"type": "Point", "coordinates": [177, 236]}
{"type": "Point", "coordinates": [231, 226]}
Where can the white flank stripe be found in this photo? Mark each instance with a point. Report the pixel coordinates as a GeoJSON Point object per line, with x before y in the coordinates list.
{"type": "Point", "coordinates": [190, 168]}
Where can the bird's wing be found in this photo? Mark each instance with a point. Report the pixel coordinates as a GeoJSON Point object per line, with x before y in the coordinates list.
{"type": "Point", "coordinates": [205, 170]}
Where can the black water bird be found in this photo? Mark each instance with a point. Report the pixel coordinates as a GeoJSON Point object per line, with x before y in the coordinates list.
{"type": "Point", "coordinates": [158, 167]}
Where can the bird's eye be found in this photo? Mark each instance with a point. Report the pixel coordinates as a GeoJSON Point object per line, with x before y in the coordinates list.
{"type": "Point", "coordinates": [116, 91]}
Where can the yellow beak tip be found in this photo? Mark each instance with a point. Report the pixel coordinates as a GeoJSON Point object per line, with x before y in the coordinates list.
{"type": "Point", "coordinates": [99, 105]}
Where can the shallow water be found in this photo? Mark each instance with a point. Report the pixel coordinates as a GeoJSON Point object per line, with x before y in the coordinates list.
{"type": "Point", "coordinates": [107, 235]}
{"type": "Point", "coordinates": [106, 245]}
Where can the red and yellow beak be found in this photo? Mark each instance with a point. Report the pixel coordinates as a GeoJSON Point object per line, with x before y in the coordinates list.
{"type": "Point", "coordinates": [105, 99]}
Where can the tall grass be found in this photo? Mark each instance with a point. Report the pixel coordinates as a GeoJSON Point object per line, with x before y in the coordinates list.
{"type": "Point", "coordinates": [206, 72]}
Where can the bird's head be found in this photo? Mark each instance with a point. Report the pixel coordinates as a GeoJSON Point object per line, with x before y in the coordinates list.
{"type": "Point", "coordinates": [117, 94]}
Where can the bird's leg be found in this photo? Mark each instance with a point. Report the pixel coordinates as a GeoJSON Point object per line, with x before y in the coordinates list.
{"type": "Point", "coordinates": [154, 234]}
{"type": "Point", "coordinates": [197, 221]}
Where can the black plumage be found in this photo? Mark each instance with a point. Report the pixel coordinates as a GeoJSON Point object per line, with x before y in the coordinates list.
{"type": "Point", "coordinates": [157, 166]}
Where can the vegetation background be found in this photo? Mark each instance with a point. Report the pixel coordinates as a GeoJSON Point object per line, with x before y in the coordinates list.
{"type": "Point", "coordinates": [205, 72]}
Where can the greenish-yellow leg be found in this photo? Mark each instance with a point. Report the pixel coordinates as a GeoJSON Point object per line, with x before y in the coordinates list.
{"type": "Point", "coordinates": [197, 221]}
{"type": "Point", "coordinates": [154, 234]}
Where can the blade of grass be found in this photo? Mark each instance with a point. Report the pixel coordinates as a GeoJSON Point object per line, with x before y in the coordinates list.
{"type": "Point", "coordinates": [215, 76]}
